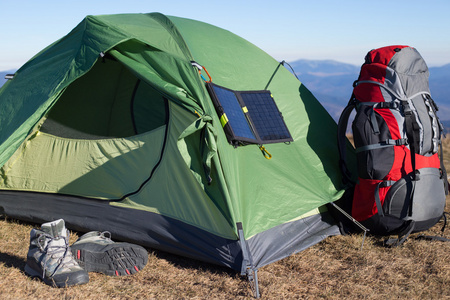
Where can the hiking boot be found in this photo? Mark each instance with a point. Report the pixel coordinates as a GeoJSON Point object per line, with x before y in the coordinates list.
{"type": "Point", "coordinates": [50, 259]}
{"type": "Point", "coordinates": [96, 252]}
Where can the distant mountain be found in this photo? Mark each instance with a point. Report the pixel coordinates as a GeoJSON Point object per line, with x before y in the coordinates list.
{"type": "Point", "coordinates": [440, 89]}
{"type": "Point", "coordinates": [331, 82]}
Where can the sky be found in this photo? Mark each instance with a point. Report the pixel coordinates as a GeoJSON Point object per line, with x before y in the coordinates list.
{"type": "Point", "coordinates": [342, 30]}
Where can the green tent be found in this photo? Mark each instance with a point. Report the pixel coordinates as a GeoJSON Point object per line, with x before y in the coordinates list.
{"type": "Point", "coordinates": [118, 127]}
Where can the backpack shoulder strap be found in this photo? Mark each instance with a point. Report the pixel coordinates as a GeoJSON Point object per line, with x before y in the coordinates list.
{"type": "Point", "coordinates": [342, 145]}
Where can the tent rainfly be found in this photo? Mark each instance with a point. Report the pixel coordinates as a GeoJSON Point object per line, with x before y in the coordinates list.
{"type": "Point", "coordinates": [173, 134]}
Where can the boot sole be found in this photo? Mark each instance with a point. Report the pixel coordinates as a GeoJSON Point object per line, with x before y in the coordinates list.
{"type": "Point", "coordinates": [118, 259]}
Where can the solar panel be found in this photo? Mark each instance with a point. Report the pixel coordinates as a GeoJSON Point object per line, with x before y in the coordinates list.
{"type": "Point", "coordinates": [233, 112]}
{"type": "Point", "coordinates": [265, 116]}
{"type": "Point", "coordinates": [249, 116]}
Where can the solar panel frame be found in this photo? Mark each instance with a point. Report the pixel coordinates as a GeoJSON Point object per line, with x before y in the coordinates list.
{"type": "Point", "coordinates": [246, 115]}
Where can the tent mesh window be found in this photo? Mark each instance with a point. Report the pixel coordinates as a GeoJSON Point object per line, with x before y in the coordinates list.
{"type": "Point", "coordinates": [249, 117]}
{"type": "Point", "coordinates": [107, 102]}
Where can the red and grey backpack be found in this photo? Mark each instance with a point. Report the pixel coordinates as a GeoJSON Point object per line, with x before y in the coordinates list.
{"type": "Point", "coordinates": [402, 183]}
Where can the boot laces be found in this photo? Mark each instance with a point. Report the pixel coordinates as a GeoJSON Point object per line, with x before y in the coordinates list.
{"type": "Point", "coordinates": [55, 250]}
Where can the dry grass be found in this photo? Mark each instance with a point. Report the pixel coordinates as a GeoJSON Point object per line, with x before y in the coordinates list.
{"type": "Point", "coordinates": [334, 269]}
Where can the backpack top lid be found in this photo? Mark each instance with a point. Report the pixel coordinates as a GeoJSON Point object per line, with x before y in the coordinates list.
{"type": "Point", "coordinates": [383, 55]}
{"type": "Point", "coordinates": [400, 68]}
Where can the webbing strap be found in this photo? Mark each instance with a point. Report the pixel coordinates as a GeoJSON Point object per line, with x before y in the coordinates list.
{"type": "Point", "coordinates": [443, 170]}
{"type": "Point", "coordinates": [402, 236]}
{"type": "Point", "coordinates": [383, 144]}
{"type": "Point", "coordinates": [391, 104]}
{"type": "Point", "coordinates": [432, 238]}
{"type": "Point", "coordinates": [409, 121]}
{"type": "Point", "coordinates": [385, 183]}
{"type": "Point", "coordinates": [373, 121]}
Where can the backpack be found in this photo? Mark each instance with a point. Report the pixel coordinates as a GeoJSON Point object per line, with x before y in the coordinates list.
{"type": "Point", "coordinates": [402, 183]}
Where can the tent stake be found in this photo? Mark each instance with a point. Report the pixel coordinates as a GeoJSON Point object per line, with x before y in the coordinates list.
{"type": "Point", "coordinates": [353, 220]}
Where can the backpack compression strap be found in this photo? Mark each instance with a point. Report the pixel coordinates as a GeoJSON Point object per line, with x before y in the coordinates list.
{"type": "Point", "coordinates": [384, 183]}
{"type": "Point", "coordinates": [383, 144]}
{"type": "Point", "coordinates": [411, 129]}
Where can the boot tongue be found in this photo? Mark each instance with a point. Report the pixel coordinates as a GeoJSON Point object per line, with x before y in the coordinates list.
{"type": "Point", "coordinates": [55, 229]}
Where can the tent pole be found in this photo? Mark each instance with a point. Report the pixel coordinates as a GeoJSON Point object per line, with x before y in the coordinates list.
{"type": "Point", "coordinates": [247, 265]}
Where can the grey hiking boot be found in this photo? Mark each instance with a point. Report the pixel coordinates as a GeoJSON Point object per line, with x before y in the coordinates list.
{"type": "Point", "coordinates": [96, 252]}
{"type": "Point", "coordinates": [50, 259]}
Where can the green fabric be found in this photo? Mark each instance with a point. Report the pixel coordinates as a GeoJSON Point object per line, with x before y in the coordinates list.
{"type": "Point", "coordinates": [90, 168]}
{"type": "Point", "coordinates": [152, 67]}
{"type": "Point", "coordinates": [208, 145]}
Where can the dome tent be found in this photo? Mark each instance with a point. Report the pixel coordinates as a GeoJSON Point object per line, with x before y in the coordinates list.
{"type": "Point", "coordinates": [114, 128]}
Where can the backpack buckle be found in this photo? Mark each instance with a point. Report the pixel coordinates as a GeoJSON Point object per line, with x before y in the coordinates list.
{"type": "Point", "coordinates": [400, 142]}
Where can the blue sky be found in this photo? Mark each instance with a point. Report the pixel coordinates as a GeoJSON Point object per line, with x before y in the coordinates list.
{"type": "Point", "coordinates": [288, 30]}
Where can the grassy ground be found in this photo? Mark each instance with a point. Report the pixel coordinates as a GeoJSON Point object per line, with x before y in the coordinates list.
{"type": "Point", "coordinates": [336, 268]}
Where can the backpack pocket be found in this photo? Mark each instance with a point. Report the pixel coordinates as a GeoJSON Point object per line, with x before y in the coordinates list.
{"type": "Point", "coordinates": [401, 198]}
{"type": "Point", "coordinates": [430, 186]}
{"type": "Point", "coordinates": [369, 128]}
{"type": "Point", "coordinates": [397, 202]}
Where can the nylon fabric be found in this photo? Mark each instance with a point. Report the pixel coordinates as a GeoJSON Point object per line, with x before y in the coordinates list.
{"type": "Point", "coordinates": [151, 65]}
{"type": "Point", "coordinates": [305, 233]}
{"type": "Point", "coordinates": [208, 148]}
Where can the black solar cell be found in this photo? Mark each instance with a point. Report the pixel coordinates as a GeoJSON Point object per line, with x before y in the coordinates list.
{"type": "Point", "coordinates": [234, 113]}
{"type": "Point", "coordinates": [265, 115]}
